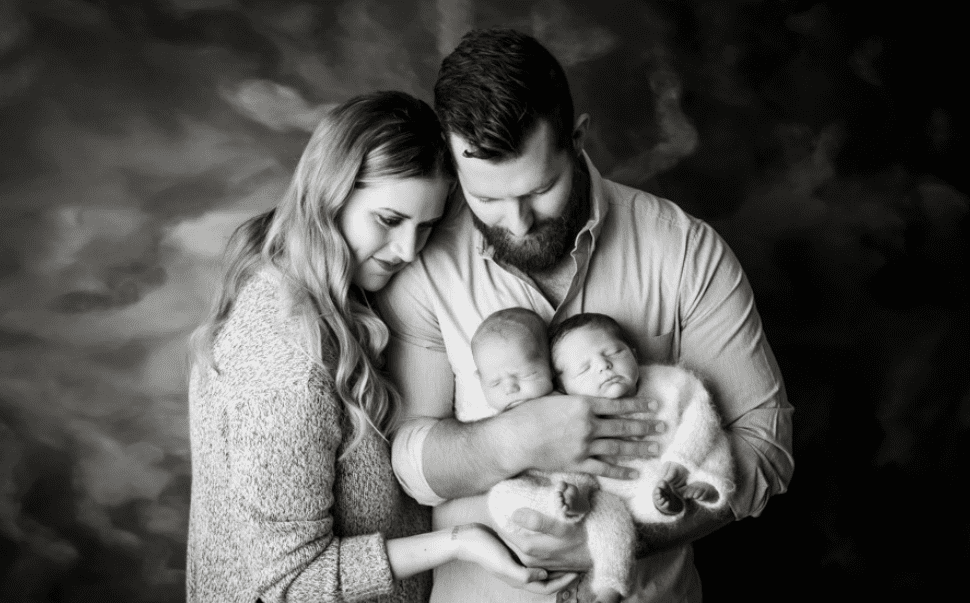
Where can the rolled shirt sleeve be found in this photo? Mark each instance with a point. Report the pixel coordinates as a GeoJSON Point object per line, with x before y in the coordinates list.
{"type": "Point", "coordinates": [407, 450]}
{"type": "Point", "coordinates": [409, 314]}
{"type": "Point", "coordinates": [722, 336]}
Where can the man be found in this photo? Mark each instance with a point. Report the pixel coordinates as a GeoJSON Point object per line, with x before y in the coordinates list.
{"type": "Point", "coordinates": [540, 228]}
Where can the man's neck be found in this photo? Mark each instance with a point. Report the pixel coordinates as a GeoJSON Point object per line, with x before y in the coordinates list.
{"type": "Point", "coordinates": [554, 282]}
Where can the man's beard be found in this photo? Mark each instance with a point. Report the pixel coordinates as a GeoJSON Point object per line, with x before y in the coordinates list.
{"type": "Point", "coordinates": [549, 240]}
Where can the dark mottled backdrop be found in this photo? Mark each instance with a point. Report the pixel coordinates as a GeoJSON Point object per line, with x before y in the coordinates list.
{"type": "Point", "coordinates": [828, 145]}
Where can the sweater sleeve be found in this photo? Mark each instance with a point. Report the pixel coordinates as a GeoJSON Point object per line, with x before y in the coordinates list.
{"type": "Point", "coordinates": [284, 443]}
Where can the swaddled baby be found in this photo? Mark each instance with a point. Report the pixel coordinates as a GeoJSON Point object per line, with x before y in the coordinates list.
{"type": "Point", "coordinates": [590, 355]}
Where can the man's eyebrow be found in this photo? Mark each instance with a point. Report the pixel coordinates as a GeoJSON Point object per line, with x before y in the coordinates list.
{"type": "Point", "coordinates": [542, 186]}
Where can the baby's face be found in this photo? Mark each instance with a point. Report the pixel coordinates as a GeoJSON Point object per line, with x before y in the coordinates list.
{"type": "Point", "coordinates": [511, 373]}
{"type": "Point", "coordinates": [592, 362]}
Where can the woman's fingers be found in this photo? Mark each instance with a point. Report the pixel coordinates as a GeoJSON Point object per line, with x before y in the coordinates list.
{"type": "Point", "coordinates": [534, 521]}
{"type": "Point", "coordinates": [553, 584]}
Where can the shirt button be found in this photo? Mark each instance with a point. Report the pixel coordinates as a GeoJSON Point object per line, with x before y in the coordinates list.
{"type": "Point", "coordinates": [565, 595]}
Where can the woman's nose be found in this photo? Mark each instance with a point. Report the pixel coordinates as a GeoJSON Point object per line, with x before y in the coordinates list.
{"type": "Point", "coordinates": [405, 244]}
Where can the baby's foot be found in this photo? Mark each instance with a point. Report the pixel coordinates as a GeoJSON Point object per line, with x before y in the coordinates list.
{"type": "Point", "coordinates": [666, 496]}
{"type": "Point", "coordinates": [575, 503]}
{"type": "Point", "coordinates": [701, 492]}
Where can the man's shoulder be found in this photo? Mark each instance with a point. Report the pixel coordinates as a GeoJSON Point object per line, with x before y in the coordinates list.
{"type": "Point", "coordinates": [643, 204]}
{"type": "Point", "coordinates": [450, 246]}
{"type": "Point", "coordinates": [444, 260]}
{"type": "Point", "coordinates": [646, 215]}
{"type": "Point", "coordinates": [452, 236]}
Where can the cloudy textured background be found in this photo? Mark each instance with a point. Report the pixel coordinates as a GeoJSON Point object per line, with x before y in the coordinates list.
{"type": "Point", "coordinates": [827, 145]}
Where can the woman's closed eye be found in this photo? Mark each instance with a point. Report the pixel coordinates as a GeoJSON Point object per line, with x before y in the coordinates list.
{"type": "Point", "coordinates": [388, 221]}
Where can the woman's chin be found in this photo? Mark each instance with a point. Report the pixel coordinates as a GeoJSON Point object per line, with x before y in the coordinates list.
{"type": "Point", "coordinates": [372, 282]}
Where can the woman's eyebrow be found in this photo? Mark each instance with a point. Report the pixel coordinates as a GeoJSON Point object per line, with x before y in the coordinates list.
{"type": "Point", "coordinates": [404, 216]}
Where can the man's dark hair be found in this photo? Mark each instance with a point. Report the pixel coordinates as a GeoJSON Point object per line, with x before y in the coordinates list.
{"type": "Point", "coordinates": [589, 319]}
{"type": "Point", "coordinates": [494, 89]}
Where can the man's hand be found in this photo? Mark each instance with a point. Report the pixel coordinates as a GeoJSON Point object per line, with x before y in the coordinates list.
{"type": "Point", "coordinates": [579, 434]}
{"type": "Point", "coordinates": [697, 522]}
{"type": "Point", "coordinates": [554, 545]}
{"type": "Point", "coordinates": [548, 543]}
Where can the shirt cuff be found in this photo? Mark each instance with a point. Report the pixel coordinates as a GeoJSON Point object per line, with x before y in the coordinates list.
{"type": "Point", "coordinates": [407, 457]}
{"type": "Point", "coordinates": [762, 471]}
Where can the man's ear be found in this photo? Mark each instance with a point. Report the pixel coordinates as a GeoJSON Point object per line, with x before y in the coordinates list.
{"type": "Point", "coordinates": [580, 130]}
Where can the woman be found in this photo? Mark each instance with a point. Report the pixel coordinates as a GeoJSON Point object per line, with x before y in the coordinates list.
{"type": "Point", "coordinates": [293, 496]}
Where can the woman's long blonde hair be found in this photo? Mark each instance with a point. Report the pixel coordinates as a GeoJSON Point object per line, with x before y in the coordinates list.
{"type": "Point", "coordinates": [367, 140]}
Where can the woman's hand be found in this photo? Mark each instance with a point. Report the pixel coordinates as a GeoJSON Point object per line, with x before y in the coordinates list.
{"type": "Point", "coordinates": [477, 544]}
{"type": "Point", "coordinates": [542, 541]}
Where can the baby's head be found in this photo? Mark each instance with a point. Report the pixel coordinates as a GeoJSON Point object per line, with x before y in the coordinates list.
{"type": "Point", "coordinates": [512, 357]}
{"type": "Point", "coordinates": [592, 356]}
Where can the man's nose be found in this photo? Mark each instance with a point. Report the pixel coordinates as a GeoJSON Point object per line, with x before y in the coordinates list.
{"type": "Point", "coordinates": [519, 218]}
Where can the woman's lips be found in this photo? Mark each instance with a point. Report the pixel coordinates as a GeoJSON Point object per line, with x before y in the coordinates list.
{"type": "Point", "coordinates": [388, 266]}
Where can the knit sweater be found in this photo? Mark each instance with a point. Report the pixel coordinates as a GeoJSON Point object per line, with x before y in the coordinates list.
{"type": "Point", "coordinates": [276, 514]}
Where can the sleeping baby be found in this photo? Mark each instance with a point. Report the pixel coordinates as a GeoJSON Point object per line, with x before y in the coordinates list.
{"type": "Point", "coordinates": [588, 354]}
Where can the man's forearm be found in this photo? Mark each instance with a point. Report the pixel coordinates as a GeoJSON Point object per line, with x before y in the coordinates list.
{"type": "Point", "coordinates": [465, 459]}
{"type": "Point", "coordinates": [653, 538]}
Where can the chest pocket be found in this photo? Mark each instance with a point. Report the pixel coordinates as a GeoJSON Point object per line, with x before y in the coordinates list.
{"type": "Point", "coordinates": [657, 348]}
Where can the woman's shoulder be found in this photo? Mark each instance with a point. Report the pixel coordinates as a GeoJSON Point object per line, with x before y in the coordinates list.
{"type": "Point", "coordinates": [260, 337]}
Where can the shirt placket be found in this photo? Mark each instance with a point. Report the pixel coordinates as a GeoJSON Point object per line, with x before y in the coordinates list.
{"type": "Point", "coordinates": [581, 254]}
